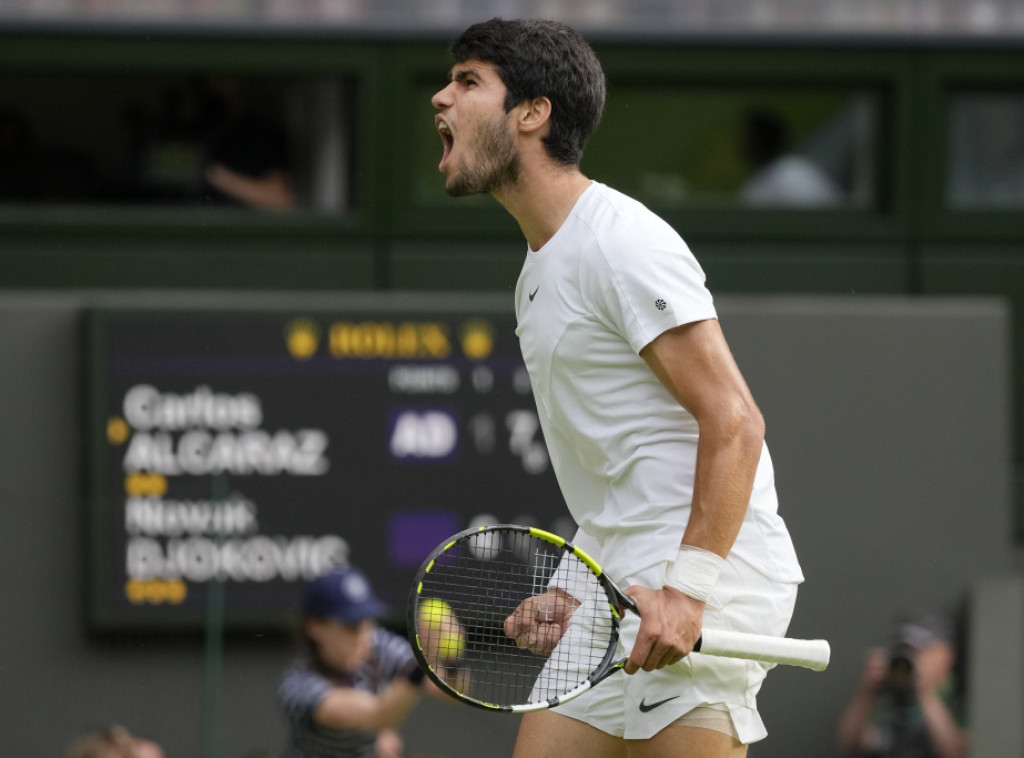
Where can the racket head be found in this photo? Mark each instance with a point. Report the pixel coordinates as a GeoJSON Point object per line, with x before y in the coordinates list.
{"type": "Point", "coordinates": [472, 582]}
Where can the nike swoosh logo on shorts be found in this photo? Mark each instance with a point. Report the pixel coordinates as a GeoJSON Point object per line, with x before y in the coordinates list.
{"type": "Point", "coordinates": [644, 707]}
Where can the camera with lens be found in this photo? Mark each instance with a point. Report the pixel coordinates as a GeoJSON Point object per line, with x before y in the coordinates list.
{"type": "Point", "coordinates": [900, 678]}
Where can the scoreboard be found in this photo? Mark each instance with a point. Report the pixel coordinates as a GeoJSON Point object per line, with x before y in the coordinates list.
{"type": "Point", "coordinates": [253, 449]}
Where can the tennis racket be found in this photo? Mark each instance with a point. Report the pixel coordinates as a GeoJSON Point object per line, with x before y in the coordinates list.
{"type": "Point", "coordinates": [472, 583]}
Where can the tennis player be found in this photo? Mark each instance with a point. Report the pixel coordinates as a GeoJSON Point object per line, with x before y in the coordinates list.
{"type": "Point", "coordinates": [656, 441]}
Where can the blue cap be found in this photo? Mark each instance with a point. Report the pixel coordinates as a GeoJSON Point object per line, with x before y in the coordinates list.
{"type": "Point", "coordinates": [343, 594]}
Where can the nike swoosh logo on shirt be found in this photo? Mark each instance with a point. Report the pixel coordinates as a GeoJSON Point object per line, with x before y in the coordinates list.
{"type": "Point", "coordinates": [644, 707]}
{"type": "Point", "coordinates": [534, 293]}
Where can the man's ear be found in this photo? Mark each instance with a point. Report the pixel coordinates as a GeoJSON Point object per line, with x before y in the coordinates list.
{"type": "Point", "coordinates": [534, 114]}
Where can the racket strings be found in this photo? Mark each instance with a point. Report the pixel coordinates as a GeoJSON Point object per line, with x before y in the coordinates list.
{"type": "Point", "coordinates": [477, 583]}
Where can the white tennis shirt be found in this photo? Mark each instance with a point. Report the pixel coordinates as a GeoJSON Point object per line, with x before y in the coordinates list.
{"type": "Point", "coordinates": [614, 277]}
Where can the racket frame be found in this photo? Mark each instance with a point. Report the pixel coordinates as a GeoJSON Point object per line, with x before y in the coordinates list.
{"type": "Point", "coordinates": [617, 602]}
{"type": "Point", "coordinates": [811, 654]}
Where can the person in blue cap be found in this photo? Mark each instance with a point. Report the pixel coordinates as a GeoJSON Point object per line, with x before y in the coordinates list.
{"type": "Point", "coordinates": [357, 681]}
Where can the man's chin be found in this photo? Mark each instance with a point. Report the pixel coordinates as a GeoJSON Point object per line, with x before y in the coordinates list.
{"type": "Point", "coordinates": [459, 189]}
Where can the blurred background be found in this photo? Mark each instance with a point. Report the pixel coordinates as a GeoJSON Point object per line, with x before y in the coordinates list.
{"type": "Point", "coordinates": [222, 229]}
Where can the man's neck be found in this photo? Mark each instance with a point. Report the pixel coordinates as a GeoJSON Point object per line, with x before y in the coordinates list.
{"type": "Point", "coordinates": [542, 200]}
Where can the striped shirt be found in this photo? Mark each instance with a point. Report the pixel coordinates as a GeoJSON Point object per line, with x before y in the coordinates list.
{"type": "Point", "coordinates": [303, 687]}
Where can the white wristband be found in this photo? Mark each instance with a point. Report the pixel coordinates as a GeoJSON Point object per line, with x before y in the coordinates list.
{"type": "Point", "coordinates": [695, 572]}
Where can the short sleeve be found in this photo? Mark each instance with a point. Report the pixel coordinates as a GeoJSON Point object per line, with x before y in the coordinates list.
{"type": "Point", "coordinates": [392, 656]}
{"type": "Point", "coordinates": [646, 281]}
{"type": "Point", "coordinates": [299, 694]}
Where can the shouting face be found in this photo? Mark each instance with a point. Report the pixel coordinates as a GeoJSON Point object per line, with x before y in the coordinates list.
{"type": "Point", "coordinates": [480, 152]}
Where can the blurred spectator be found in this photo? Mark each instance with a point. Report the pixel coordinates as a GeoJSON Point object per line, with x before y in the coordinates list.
{"type": "Point", "coordinates": [356, 682]}
{"type": "Point", "coordinates": [113, 742]}
{"type": "Point", "coordinates": [246, 155]}
{"type": "Point", "coordinates": [986, 151]}
{"type": "Point", "coordinates": [167, 140]}
{"type": "Point", "coordinates": [906, 703]}
{"type": "Point", "coordinates": [206, 141]}
{"type": "Point", "coordinates": [781, 177]}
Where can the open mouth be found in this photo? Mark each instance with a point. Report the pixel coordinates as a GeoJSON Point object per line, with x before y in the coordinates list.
{"type": "Point", "coordinates": [447, 140]}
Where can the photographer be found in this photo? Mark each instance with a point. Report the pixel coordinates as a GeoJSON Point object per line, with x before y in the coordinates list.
{"type": "Point", "coordinates": [903, 707]}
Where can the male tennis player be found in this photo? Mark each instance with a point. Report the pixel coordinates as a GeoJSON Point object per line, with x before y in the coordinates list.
{"type": "Point", "coordinates": [656, 441]}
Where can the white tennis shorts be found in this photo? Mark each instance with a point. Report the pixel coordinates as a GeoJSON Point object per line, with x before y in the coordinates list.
{"type": "Point", "coordinates": [641, 705]}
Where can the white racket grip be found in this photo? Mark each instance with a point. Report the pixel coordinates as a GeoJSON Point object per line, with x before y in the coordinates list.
{"type": "Point", "coordinates": [811, 654]}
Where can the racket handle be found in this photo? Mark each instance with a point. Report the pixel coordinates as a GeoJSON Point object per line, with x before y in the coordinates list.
{"type": "Point", "coordinates": [812, 654]}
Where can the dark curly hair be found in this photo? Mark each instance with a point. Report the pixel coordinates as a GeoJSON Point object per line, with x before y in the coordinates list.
{"type": "Point", "coordinates": [536, 58]}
